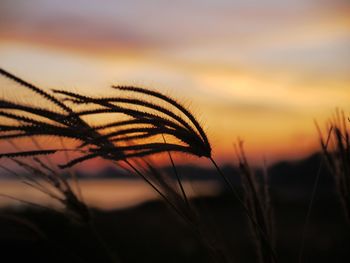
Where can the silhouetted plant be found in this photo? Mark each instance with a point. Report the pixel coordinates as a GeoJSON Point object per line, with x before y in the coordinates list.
{"type": "Point", "coordinates": [49, 182]}
{"type": "Point", "coordinates": [257, 200]}
{"type": "Point", "coordinates": [33, 121]}
{"type": "Point", "coordinates": [134, 136]}
{"type": "Point", "coordinates": [337, 157]}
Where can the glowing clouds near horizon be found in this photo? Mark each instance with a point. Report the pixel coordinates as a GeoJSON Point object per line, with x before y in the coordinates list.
{"type": "Point", "coordinates": [261, 72]}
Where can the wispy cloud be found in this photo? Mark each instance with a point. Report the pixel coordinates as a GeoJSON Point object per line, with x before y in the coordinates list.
{"type": "Point", "coordinates": [269, 66]}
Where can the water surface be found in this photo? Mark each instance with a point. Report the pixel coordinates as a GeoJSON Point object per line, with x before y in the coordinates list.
{"type": "Point", "coordinates": [106, 194]}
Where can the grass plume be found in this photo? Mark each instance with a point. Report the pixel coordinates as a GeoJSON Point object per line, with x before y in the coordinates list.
{"type": "Point", "coordinates": [337, 157]}
{"type": "Point", "coordinates": [258, 202]}
{"type": "Point", "coordinates": [147, 116]}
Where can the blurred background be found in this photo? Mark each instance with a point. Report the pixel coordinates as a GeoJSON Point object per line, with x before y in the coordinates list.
{"type": "Point", "coordinates": [262, 71]}
{"type": "Point", "coordinates": [258, 70]}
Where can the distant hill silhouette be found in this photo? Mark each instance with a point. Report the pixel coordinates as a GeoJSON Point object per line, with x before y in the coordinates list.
{"type": "Point", "coordinates": [292, 174]}
{"type": "Point", "coordinates": [291, 186]}
{"type": "Point", "coordinates": [296, 176]}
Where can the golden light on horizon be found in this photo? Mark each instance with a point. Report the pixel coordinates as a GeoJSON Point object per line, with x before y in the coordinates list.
{"type": "Point", "coordinates": [263, 76]}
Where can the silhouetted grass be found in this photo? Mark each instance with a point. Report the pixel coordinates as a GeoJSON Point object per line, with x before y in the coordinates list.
{"type": "Point", "coordinates": [116, 145]}
{"type": "Point", "coordinates": [337, 156]}
{"type": "Point", "coordinates": [147, 122]}
{"type": "Point", "coordinates": [257, 200]}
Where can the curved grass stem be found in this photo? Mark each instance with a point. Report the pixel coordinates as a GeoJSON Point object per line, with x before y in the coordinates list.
{"type": "Point", "coordinates": [246, 210]}
{"type": "Point", "coordinates": [177, 176]}
{"type": "Point", "coordinates": [166, 199]}
{"type": "Point", "coordinates": [313, 195]}
{"type": "Point", "coordinates": [213, 253]}
{"type": "Point", "coordinates": [308, 214]}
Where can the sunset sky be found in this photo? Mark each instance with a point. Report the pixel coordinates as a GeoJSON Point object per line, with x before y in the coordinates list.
{"type": "Point", "coordinates": [258, 70]}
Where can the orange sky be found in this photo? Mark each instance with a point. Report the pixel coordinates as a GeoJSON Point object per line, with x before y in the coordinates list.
{"type": "Point", "coordinates": [258, 70]}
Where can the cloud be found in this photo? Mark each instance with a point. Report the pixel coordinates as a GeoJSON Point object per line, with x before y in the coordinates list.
{"type": "Point", "coordinates": [157, 23]}
{"type": "Point", "coordinates": [259, 69]}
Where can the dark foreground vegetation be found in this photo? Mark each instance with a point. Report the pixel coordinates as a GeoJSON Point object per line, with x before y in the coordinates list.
{"type": "Point", "coordinates": [153, 233]}
{"type": "Point", "coordinates": [283, 214]}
